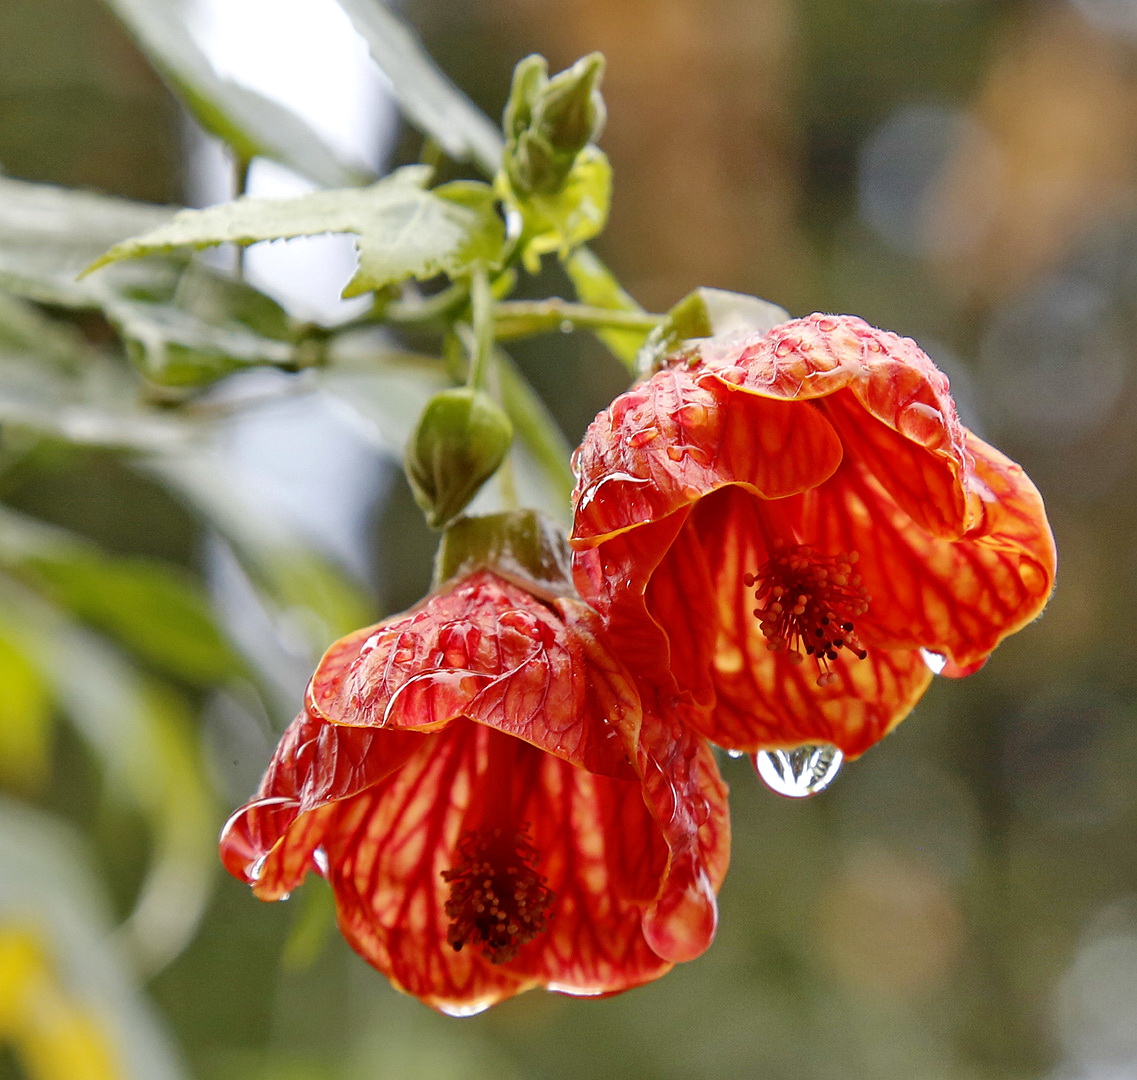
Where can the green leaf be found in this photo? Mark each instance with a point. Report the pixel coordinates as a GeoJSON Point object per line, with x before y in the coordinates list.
{"type": "Point", "coordinates": [428, 99]}
{"type": "Point", "coordinates": [50, 897]}
{"type": "Point", "coordinates": [49, 234]}
{"type": "Point", "coordinates": [181, 325]}
{"type": "Point", "coordinates": [595, 284]}
{"type": "Point", "coordinates": [154, 610]}
{"type": "Point", "coordinates": [175, 348]}
{"type": "Point", "coordinates": [403, 230]}
{"type": "Point", "coordinates": [142, 735]}
{"type": "Point", "coordinates": [93, 405]}
{"type": "Point", "coordinates": [25, 718]}
{"type": "Point", "coordinates": [25, 329]}
{"type": "Point", "coordinates": [255, 126]}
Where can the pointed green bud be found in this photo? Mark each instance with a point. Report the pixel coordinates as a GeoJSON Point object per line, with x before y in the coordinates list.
{"type": "Point", "coordinates": [530, 78]}
{"type": "Point", "coordinates": [459, 442]}
{"type": "Point", "coordinates": [572, 110]}
{"type": "Point", "coordinates": [548, 122]}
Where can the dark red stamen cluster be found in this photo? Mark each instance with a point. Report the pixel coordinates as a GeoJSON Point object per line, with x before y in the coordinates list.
{"type": "Point", "coordinates": [807, 603]}
{"type": "Point", "coordinates": [497, 898]}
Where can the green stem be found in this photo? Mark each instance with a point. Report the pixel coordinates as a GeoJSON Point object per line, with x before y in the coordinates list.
{"type": "Point", "coordinates": [240, 186]}
{"type": "Point", "coordinates": [427, 309]}
{"type": "Point", "coordinates": [535, 426]}
{"type": "Point", "coordinates": [482, 307]}
{"type": "Point", "coordinates": [524, 318]}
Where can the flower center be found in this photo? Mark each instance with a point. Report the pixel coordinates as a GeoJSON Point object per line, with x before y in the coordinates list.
{"type": "Point", "coordinates": [497, 898]}
{"type": "Point", "coordinates": [807, 604]}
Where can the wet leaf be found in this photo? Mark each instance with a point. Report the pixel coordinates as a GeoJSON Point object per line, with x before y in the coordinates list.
{"type": "Point", "coordinates": [403, 229]}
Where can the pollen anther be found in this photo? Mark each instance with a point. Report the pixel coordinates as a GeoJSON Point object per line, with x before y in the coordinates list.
{"type": "Point", "coordinates": [497, 899]}
{"type": "Point", "coordinates": [825, 596]}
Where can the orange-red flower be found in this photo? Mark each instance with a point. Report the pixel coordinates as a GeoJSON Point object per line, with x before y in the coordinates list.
{"type": "Point", "coordinates": [779, 526]}
{"type": "Point", "coordinates": [491, 804]}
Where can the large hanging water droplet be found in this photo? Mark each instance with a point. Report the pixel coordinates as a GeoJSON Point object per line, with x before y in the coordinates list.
{"type": "Point", "coordinates": [803, 771]}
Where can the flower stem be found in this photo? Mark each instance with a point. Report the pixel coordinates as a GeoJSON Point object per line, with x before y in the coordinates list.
{"type": "Point", "coordinates": [482, 307]}
{"type": "Point", "coordinates": [535, 426]}
{"type": "Point", "coordinates": [524, 318]}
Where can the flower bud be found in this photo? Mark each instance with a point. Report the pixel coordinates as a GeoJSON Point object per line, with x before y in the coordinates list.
{"type": "Point", "coordinates": [548, 122]}
{"type": "Point", "coordinates": [458, 444]}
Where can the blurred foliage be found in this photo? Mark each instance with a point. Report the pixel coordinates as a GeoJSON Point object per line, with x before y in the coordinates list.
{"type": "Point", "coordinates": [958, 906]}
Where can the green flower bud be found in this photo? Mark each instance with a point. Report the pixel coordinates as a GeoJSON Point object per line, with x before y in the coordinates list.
{"type": "Point", "coordinates": [530, 78]}
{"type": "Point", "coordinates": [459, 442]}
{"type": "Point", "coordinates": [572, 110]}
{"type": "Point", "coordinates": [548, 122]}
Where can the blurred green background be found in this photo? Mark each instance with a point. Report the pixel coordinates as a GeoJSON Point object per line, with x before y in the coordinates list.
{"type": "Point", "coordinates": [961, 904]}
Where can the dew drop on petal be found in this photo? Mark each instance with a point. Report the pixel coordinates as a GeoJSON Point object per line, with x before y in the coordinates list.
{"type": "Point", "coordinates": [936, 661]}
{"type": "Point", "coordinates": [320, 858]}
{"type": "Point", "coordinates": [736, 753]}
{"type": "Point", "coordinates": [464, 1010]}
{"type": "Point", "coordinates": [576, 991]}
{"type": "Point", "coordinates": [257, 868]}
{"type": "Point", "coordinates": [800, 772]}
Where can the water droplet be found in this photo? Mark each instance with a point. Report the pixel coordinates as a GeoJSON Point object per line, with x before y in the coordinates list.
{"type": "Point", "coordinates": [284, 896]}
{"type": "Point", "coordinates": [576, 991]}
{"type": "Point", "coordinates": [465, 1010]}
{"type": "Point", "coordinates": [803, 771]}
{"type": "Point", "coordinates": [923, 424]}
{"type": "Point", "coordinates": [566, 326]}
{"type": "Point", "coordinates": [320, 858]}
{"type": "Point", "coordinates": [736, 753]}
{"type": "Point", "coordinates": [936, 661]}
{"type": "Point", "coordinates": [257, 867]}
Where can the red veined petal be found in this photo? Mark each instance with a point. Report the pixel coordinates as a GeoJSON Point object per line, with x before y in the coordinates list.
{"type": "Point", "coordinates": [762, 699]}
{"type": "Point", "coordinates": [890, 405]}
{"type": "Point", "coordinates": [689, 801]}
{"type": "Point", "coordinates": [673, 439]}
{"type": "Point", "coordinates": [314, 764]}
{"type": "Point", "coordinates": [600, 850]}
{"type": "Point", "coordinates": [770, 702]}
{"type": "Point", "coordinates": [491, 651]}
{"type": "Point", "coordinates": [958, 598]}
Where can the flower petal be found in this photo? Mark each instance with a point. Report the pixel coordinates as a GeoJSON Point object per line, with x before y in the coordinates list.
{"type": "Point", "coordinates": [763, 699]}
{"type": "Point", "coordinates": [676, 437]}
{"type": "Point", "coordinates": [601, 853]}
{"type": "Point", "coordinates": [265, 842]}
{"type": "Point", "coordinates": [770, 702]}
{"type": "Point", "coordinates": [490, 651]}
{"type": "Point", "coordinates": [848, 368]}
{"type": "Point", "coordinates": [958, 598]}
